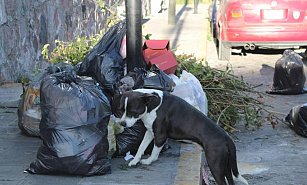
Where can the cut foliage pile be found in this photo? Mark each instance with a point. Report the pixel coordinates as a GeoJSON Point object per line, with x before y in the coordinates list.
{"type": "Point", "coordinates": [230, 98]}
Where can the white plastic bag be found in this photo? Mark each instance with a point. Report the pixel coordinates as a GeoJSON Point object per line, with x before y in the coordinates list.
{"type": "Point", "coordinates": [189, 88]}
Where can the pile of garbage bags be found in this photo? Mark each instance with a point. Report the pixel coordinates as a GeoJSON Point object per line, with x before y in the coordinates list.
{"type": "Point", "coordinates": [68, 107]}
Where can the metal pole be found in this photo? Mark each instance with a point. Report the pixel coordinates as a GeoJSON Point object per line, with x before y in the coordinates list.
{"type": "Point", "coordinates": [134, 34]}
{"type": "Point", "coordinates": [172, 12]}
{"type": "Point", "coordinates": [195, 6]}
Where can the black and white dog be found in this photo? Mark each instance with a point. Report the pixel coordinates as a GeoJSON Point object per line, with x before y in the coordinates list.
{"type": "Point", "coordinates": [167, 116]}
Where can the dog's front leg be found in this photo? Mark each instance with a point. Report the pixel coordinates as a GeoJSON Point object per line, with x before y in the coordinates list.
{"type": "Point", "coordinates": [154, 155]}
{"type": "Point", "coordinates": [148, 137]}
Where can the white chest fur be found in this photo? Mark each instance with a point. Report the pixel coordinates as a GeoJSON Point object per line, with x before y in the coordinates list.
{"type": "Point", "coordinates": [149, 119]}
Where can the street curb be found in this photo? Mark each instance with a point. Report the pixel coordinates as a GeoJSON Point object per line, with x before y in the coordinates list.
{"type": "Point", "coordinates": [191, 155]}
{"type": "Point", "coordinates": [189, 165]}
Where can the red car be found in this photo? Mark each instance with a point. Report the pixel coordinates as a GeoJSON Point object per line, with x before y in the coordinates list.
{"type": "Point", "coordinates": [252, 24]}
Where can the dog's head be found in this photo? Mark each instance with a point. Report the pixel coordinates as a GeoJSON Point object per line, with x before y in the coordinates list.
{"type": "Point", "coordinates": [131, 106]}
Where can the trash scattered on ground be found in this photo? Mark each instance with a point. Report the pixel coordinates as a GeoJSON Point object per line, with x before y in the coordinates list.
{"type": "Point", "coordinates": [289, 77]}
{"type": "Point", "coordinates": [128, 156]}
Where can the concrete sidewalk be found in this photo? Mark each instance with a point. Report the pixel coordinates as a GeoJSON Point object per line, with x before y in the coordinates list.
{"type": "Point", "coordinates": [187, 36]}
{"type": "Point", "coordinates": [179, 165]}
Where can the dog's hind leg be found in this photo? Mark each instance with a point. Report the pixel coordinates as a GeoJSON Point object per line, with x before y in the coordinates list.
{"type": "Point", "coordinates": [216, 164]}
{"type": "Point", "coordinates": [154, 155]}
{"type": "Point", "coordinates": [148, 137]}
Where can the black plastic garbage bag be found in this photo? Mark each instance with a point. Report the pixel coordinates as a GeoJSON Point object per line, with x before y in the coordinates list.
{"type": "Point", "coordinates": [289, 77]}
{"type": "Point", "coordinates": [29, 111]}
{"type": "Point", "coordinates": [297, 119]}
{"type": "Point", "coordinates": [157, 79]}
{"type": "Point", "coordinates": [104, 62]}
{"type": "Point", "coordinates": [75, 114]}
{"type": "Point", "coordinates": [152, 79]}
{"type": "Point", "coordinates": [133, 80]}
{"type": "Point", "coordinates": [130, 139]}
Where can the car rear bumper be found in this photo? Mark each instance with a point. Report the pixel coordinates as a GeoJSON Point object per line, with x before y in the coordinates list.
{"type": "Point", "coordinates": [276, 45]}
{"type": "Point", "coordinates": [266, 38]}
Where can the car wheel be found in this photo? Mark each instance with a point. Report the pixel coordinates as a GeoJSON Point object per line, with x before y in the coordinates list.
{"type": "Point", "coordinates": [213, 31]}
{"type": "Point", "coordinates": [224, 51]}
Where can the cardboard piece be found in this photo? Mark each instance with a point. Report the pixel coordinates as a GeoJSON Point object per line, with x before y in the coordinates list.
{"type": "Point", "coordinates": [166, 62]}
{"type": "Point", "coordinates": [154, 48]}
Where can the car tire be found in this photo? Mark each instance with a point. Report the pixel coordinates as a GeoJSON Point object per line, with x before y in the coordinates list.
{"type": "Point", "coordinates": [224, 51]}
{"type": "Point", "coordinates": [213, 31]}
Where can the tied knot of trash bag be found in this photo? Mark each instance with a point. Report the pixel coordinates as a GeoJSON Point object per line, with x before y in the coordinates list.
{"type": "Point", "coordinates": [60, 67]}
{"type": "Point", "coordinates": [66, 77]}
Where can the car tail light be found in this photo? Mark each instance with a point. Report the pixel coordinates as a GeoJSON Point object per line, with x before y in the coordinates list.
{"type": "Point", "coordinates": [236, 13]}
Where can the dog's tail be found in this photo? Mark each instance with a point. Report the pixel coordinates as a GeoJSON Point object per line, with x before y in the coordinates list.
{"type": "Point", "coordinates": [232, 165]}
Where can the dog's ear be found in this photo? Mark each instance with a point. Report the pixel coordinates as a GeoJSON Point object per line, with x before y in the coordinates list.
{"type": "Point", "coordinates": [149, 98]}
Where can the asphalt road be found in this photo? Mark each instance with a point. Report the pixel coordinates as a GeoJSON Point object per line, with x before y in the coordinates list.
{"type": "Point", "coordinates": [267, 156]}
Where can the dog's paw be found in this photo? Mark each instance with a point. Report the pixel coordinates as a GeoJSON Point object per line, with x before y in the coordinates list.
{"type": "Point", "coordinates": [146, 161]}
{"type": "Point", "coordinates": [133, 162]}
